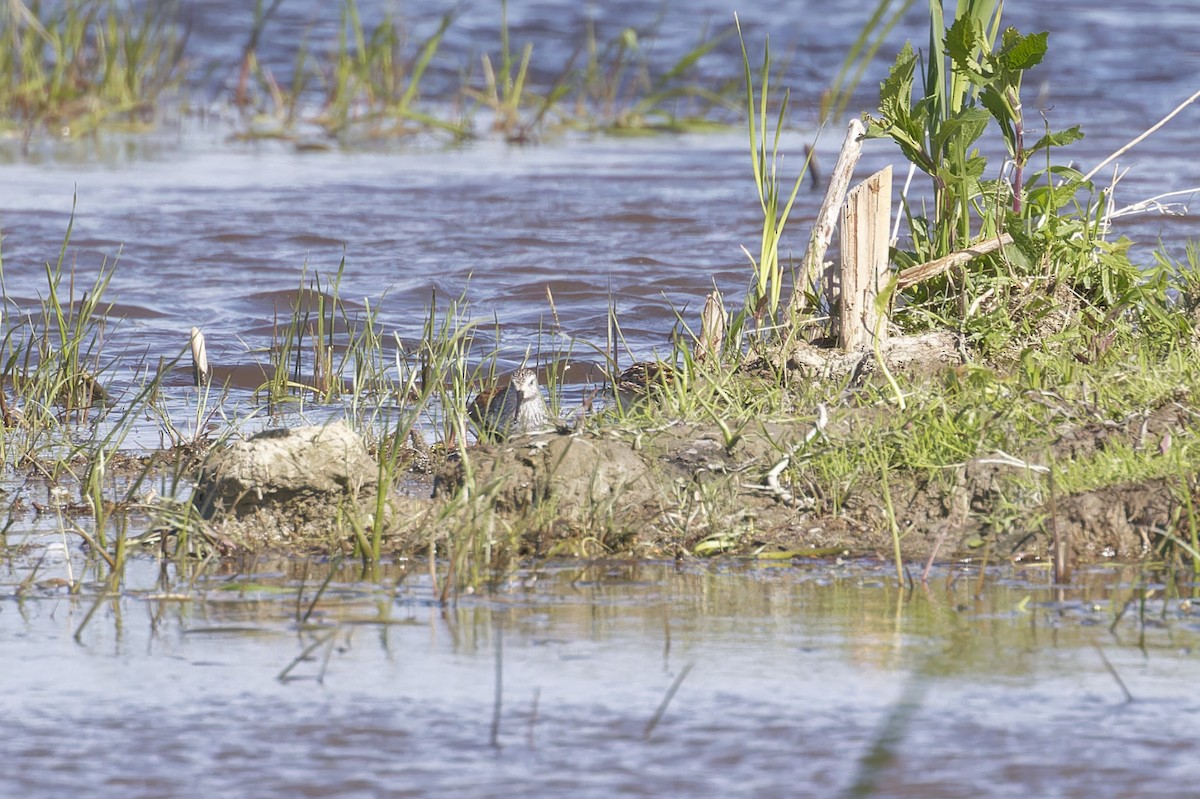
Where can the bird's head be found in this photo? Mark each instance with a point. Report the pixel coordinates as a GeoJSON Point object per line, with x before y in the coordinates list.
{"type": "Point", "coordinates": [525, 383]}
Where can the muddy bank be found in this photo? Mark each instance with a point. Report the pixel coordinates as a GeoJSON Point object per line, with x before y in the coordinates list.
{"type": "Point", "coordinates": [684, 489]}
{"type": "Point", "coordinates": [750, 487]}
{"type": "Point", "coordinates": [809, 484]}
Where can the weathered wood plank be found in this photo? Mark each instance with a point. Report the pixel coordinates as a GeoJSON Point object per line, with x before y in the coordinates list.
{"type": "Point", "coordinates": [865, 233]}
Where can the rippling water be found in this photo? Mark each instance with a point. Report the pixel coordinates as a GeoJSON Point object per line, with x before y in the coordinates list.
{"type": "Point", "coordinates": [217, 234]}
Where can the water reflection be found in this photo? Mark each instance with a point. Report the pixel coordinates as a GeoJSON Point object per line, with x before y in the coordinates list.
{"type": "Point", "coordinates": [793, 671]}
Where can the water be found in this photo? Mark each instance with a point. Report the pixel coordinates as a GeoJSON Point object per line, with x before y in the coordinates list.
{"type": "Point", "coordinates": [217, 234]}
{"type": "Point", "coordinates": [793, 673]}
{"type": "Point", "coordinates": [172, 689]}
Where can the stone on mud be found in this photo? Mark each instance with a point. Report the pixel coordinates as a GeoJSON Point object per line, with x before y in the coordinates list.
{"type": "Point", "coordinates": [292, 487]}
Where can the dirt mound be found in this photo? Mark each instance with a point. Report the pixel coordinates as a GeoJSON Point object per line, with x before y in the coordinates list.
{"type": "Point", "coordinates": [575, 481]}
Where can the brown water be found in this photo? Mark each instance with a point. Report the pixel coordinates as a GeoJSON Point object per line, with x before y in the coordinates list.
{"type": "Point", "coordinates": [171, 688]}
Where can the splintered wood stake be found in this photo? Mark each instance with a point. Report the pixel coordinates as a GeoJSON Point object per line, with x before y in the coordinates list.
{"type": "Point", "coordinates": [200, 371]}
{"type": "Point", "coordinates": [827, 217]}
{"type": "Point", "coordinates": [865, 229]}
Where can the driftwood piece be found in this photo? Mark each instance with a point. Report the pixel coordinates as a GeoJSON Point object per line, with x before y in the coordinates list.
{"type": "Point", "coordinates": [915, 274]}
{"type": "Point", "coordinates": [823, 227]}
{"type": "Point", "coordinates": [865, 232]}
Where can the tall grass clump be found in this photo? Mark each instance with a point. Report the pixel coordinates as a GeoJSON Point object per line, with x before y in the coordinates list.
{"type": "Point", "coordinates": [448, 372]}
{"type": "Point", "coordinates": [618, 90]}
{"type": "Point", "coordinates": [775, 199]}
{"type": "Point", "coordinates": [860, 55]}
{"type": "Point", "coordinates": [74, 66]}
{"type": "Point", "coordinates": [52, 362]}
{"type": "Point", "coordinates": [365, 85]}
{"type": "Point", "coordinates": [373, 84]}
{"type": "Point", "coordinates": [505, 88]}
{"type": "Point", "coordinates": [325, 351]}
{"type": "Point", "coordinates": [302, 355]}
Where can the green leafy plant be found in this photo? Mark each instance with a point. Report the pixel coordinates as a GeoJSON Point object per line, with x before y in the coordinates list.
{"type": "Point", "coordinates": [973, 75]}
{"type": "Point", "coordinates": [1060, 260]}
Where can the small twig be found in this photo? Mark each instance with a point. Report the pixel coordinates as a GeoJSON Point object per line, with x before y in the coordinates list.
{"type": "Point", "coordinates": [933, 554]}
{"type": "Point", "coordinates": [308, 650]}
{"type": "Point", "coordinates": [915, 274]}
{"type": "Point", "coordinates": [1002, 458]}
{"type": "Point", "coordinates": [92, 612]}
{"type": "Point", "coordinates": [333, 567]}
{"type": "Point", "coordinates": [325, 660]}
{"type": "Point", "coordinates": [1142, 137]}
{"type": "Point", "coordinates": [497, 703]}
{"type": "Point", "coordinates": [1059, 535]}
{"type": "Point", "coordinates": [1152, 203]}
{"type": "Point", "coordinates": [533, 716]}
{"type": "Point", "coordinates": [666, 643]}
{"type": "Point", "coordinates": [772, 478]}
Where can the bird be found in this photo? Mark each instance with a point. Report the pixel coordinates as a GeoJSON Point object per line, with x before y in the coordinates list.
{"type": "Point", "coordinates": [642, 379]}
{"type": "Point", "coordinates": [514, 409]}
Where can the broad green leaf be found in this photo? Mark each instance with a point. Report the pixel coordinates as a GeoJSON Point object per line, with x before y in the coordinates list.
{"type": "Point", "coordinates": [1058, 139]}
{"type": "Point", "coordinates": [895, 93]}
{"type": "Point", "coordinates": [1022, 52]}
{"type": "Point", "coordinates": [962, 129]}
{"type": "Point", "coordinates": [962, 40]}
{"type": "Point", "coordinates": [996, 103]}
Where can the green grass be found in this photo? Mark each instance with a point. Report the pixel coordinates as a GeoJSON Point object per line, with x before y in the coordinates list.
{"type": "Point", "coordinates": [52, 360]}
{"type": "Point", "coordinates": [74, 67]}
{"type": "Point", "coordinates": [762, 301]}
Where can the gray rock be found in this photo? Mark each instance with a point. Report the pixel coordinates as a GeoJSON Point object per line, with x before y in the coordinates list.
{"type": "Point", "coordinates": [288, 486]}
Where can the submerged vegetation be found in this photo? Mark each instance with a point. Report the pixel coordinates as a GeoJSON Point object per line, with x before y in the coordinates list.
{"type": "Point", "coordinates": [72, 68]}
{"type": "Point", "coordinates": [77, 66]}
{"type": "Point", "coordinates": [1048, 412]}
